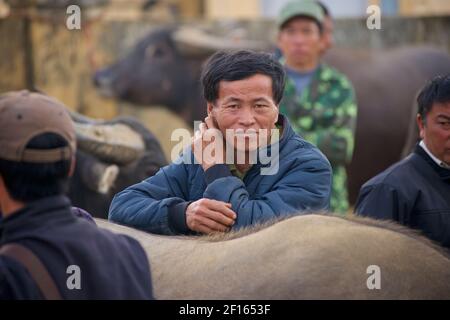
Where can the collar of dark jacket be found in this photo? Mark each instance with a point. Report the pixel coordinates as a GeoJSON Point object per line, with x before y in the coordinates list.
{"type": "Point", "coordinates": [443, 173]}
{"type": "Point", "coordinates": [286, 132]}
{"type": "Point", "coordinates": [34, 215]}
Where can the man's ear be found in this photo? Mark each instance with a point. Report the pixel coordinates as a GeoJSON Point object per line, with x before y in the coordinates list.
{"type": "Point", "coordinates": [209, 108]}
{"type": "Point", "coordinates": [277, 113]}
{"type": "Point", "coordinates": [72, 166]}
{"type": "Point", "coordinates": [421, 124]}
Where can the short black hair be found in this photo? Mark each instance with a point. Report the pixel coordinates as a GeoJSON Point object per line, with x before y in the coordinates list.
{"type": "Point", "coordinates": [28, 182]}
{"type": "Point", "coordinates": [435, 91]}
{"type": "Point", "coordinates": [239, 65]}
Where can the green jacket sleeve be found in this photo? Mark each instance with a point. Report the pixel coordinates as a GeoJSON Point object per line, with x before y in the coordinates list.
{"type": "Point", "coordinates": [335, 120]}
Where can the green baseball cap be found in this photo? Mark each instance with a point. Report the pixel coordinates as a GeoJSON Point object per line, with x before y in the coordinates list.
{"type": "Point", "coordinates": [308, 8]}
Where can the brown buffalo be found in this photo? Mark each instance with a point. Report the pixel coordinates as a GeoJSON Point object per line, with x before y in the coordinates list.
{"type": "Point", "coordinates": [303, 257]}
{"type": "Point", "coordinates": [164, 69]}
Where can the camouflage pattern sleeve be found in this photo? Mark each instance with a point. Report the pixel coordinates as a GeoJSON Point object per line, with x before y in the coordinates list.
{"type": "Point", "coordinates": [335, 117]}
{"type": "Point", "coordinates": [324, 114]}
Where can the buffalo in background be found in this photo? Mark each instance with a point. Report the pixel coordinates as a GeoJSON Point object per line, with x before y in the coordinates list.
{"type": "Point", "coordinates": [111, 156]}
{"type": "Point", "coordinates": [164, 69]}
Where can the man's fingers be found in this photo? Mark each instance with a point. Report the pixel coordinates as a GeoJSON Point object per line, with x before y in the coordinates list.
{"type": "Point", "coordinates": [209, 122]}
{"type": "Point", "coordinates": [220, 206]}
{"type": "Point", "coordinates": [197, 134]}
{"type": "Point", "coordinates": [211, 224]}
{"type": "Point", "coordinates": [206, 230]}
{"type": "Point", "coordinates": [219, 217]}
{"type": "Point", "coordinates": [203, 229]}
{"type": "Point", "coordinates": [202, 127]}
{"type": "Point", "coordinates": [225, 210]}
{"type": "Point", "coordinates": [223, 207]}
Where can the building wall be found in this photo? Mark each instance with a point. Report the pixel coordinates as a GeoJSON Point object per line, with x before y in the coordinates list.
{"type": "Point", "coordinates": [253, 9]}
{"type": "Point", "coordinates": [232, 9]}
{"type": "Point", "coordinates": [424, 7]}
{"type": "Point", "coordinates": [218, 9]}
{"type": "Point", "coordinates": [414, 8]}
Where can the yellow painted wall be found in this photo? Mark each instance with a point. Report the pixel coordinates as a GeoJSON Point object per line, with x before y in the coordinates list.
{"type": "Point", "coordinates": [424, 7]}
{"type": "Point", "coordinates": [12, 55]}
{"type": "Point", "coordinates": [62, 68]}
{"type": "Point", "coordinates": [232, 9]}
{"type": "Point", "coordinates": [190, 9]}
{"type": "Point", "coordinates": [419, 7]}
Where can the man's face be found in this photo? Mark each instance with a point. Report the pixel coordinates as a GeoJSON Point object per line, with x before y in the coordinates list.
{"type": "Point", "coordinates": [301, 42]}
{"type": "Point", "coordinates": [245, 106]}
{"type": "Point", "coordinates": [435, 131]}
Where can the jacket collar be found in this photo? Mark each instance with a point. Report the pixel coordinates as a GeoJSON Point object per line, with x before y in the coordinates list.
{"type": "Point", "coordinates": [432, 156]}
{"type": "Point", "coordinates": [286, 132]}
{"type": "Point", "coordinates": [36, 214]}
{"type": "Point", "coordinates": [443, 173]}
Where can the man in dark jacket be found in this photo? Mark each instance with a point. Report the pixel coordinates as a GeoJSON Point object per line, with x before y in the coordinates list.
{"type": "Point", "coordinates": [46, 251]}
{"type": "Point", "coordinates": [203, 194]}
{"type": "Point", "coordinates": [416, 191]}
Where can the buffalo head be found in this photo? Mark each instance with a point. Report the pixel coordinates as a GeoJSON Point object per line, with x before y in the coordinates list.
{"type": "Point", "coordinates": [111, 156]}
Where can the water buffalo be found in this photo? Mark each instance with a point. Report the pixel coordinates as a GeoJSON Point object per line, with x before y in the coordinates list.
{"type": "Point", "coordinates": [111, 156]}
{"type": "Point", "coordinates": [164, 69]}
{"type": "Point", "coordinates": [386, 84]}
{"type": "Point", "coordinates": [303, 257]}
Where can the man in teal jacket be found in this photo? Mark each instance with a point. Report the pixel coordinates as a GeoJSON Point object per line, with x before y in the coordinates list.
{"type": "Point", "coordinates": [204, 194]}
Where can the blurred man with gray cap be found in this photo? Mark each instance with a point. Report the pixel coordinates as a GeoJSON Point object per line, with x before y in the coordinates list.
{"type": "Point", "coordinates": [318, 100]}
{"type": "Point", "coordinates": [45, 250]}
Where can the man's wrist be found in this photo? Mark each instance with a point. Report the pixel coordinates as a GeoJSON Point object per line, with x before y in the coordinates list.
{"type": "Point", "coordinates": [177, 217]}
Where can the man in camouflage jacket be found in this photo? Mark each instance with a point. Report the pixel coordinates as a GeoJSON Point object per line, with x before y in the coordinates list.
{"type": "Point", "coordinates": [318, 100]}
